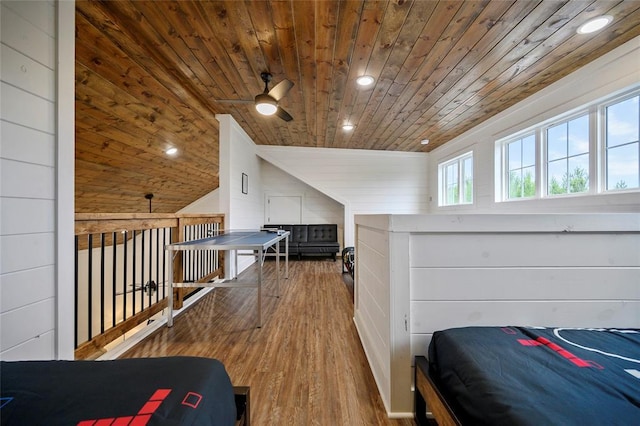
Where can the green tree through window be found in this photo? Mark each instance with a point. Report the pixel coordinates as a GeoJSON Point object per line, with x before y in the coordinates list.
{"type": "Point", "coordinates": [591, 150]}
{"type": "Point", "coordinates": [519, 187]}
{"type": "Point", "coordinates": [521, 164]}
{"type": "Point", "coordinates": [574, 182]}
{"type": "Point", "coordinates": [456, 181]}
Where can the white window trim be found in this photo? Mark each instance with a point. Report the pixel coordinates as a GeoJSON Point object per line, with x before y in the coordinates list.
{"type": "Point", "coordinates": [542, 191]}
{"type": "Point", "coordinates": [442, 181]}
{"type": "Point", "coordinates": [502, 175]}
{"type": "Point", "coordinates": [602, 148]}
{"type": "Point", "coordinates": [597, 151]}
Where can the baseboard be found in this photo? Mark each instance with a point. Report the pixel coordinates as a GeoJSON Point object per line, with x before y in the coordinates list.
{"type": "Point", "coordinates": [400, 415]}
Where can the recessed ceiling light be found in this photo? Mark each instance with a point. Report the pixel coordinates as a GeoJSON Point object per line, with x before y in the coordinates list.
{"type": "Point", "coordinates": [424, 141]}
{"type": "Point", "coordinates": [595, 24]}
{"type": "Point", "coordinates": [365, 80]}
{"type": "Point", "coordinates": [347, 127]}
{"type": "Point", "coordinates": [171, 151]}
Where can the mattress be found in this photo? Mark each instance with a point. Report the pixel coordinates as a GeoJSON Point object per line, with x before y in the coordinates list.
{"type": "Point", "coordinates": [538, 376]}
{"type": "Point", "coordinates": [145, 391]}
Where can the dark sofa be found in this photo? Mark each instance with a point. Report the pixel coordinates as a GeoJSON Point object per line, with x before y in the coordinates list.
{"type": "Point", "coordinates": [321, 239]}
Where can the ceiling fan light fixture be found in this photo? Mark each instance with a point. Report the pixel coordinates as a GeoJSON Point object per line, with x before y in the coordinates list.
{"type": "Point", "coordinates": [595, 24]}
{"type": "Point", "coordinates": [265, 104]}
{"type": "Point", "coordinates": [347, 127]}
{"type": "Point", "coordinates": [365, 80]}
{"type": "Point", "coordinates": [171, 151]}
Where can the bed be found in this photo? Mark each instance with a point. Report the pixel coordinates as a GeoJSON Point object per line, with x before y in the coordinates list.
{"type": "Point", "coordinates": [136, 392]}
{"type": "Point", "coordinates": [530, 376]}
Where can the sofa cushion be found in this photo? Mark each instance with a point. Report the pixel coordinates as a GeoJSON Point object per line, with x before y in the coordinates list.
{"type": "Point", "coordinates": [322, 233]}
{"type": "Point", "coordinates": [299, 234]}
{"type": "Point", "coordinates": [319, 247]}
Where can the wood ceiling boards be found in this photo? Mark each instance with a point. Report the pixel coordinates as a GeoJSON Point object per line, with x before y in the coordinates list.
{"type": "Point", "coordinates": [149, 75]}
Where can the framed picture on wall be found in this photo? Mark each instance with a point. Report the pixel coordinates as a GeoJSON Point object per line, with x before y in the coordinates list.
{"type": "Point", "coordinates": [245, 183]}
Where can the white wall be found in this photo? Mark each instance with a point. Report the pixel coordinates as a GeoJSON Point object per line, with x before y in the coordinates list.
{"type": "Point", "coordinates": [605, 76]}
{"type": "Point", "coordinates": [316, 206]}
{"type": "Point", "coordinates": [238, 156]}
{"type": "Point", "coordinates": [365, 182]}
{"type": "Point", "coordinates": [210, 203]}
{"type": "Point", "coordinates": [36, 192]}
{"type": "Point", "coordinates": [416, 274]}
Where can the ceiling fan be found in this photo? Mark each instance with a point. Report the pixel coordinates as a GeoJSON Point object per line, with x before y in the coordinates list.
{"type": "Point", "coordinates": [267, 102]}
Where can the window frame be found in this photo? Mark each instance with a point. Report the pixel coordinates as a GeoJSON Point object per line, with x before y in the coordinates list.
{"type": "Point", "coordinates": [458, 160]}
{"type": "Point", "coordinates": [603, 150]}
{"type": "Point", "coordinates": [504, 173]}
{"type": "Point", "coordinates": [543, 190]}
{"type": "Point", "coordinates": [597, 163]}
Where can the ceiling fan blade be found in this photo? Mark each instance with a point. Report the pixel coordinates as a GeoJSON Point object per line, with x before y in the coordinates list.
{"type": "Point", "coordinates": [283, 114]}
{"type": "Point", "coordinates": [278, 91]}
{"type": "Point", "coordinates": [233, 101]}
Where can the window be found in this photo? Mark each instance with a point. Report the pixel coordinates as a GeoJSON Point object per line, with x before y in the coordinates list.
{"type": "Point", "coordinates": [595, 149]}
{"type": "Point", "coordinates": [622, 122]}
{"type": "Point", "coordinates": [568, 156]}
{"type": "Point", "coordinates": [456, 181]}
{"type": "Point", "coordinates": [521, 164]}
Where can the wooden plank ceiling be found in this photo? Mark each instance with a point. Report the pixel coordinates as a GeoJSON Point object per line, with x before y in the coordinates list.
{"type": "Point", "coordinates": [149, 75]}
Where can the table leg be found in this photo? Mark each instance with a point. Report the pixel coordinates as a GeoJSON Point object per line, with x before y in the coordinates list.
{"type": "Point", "coordinates": [235, 276]}
{"type": "Point", "coordinates": [278, 268]}
{"type": "Point", "coordinates": [260, 290]}
{"type": "Point", "coordinates": [170, 295]}
{"type": "Point", "coordinates": [286, 258]}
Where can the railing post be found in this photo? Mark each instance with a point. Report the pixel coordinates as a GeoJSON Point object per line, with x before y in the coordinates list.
{"type": "Point", "coordinates": [221, 252]}
{"type": "Point", "coordinates": [177, 235]}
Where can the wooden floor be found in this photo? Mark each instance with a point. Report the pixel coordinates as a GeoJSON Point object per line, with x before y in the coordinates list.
{"type": "Point", "coordinates": [305, 366]}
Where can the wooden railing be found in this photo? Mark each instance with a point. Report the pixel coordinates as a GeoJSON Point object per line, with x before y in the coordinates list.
{"type": "Point", "coordinates": [121, 271]}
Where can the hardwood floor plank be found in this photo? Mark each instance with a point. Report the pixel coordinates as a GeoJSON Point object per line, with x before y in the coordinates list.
{"type": "Point", "coordinates": [305, 366]}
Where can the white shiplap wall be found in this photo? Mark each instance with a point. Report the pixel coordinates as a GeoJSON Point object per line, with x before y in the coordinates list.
{"type": "Point", "coordinates": [356, 181]}
{"type": "Point", "coordinates": [35, 164]}
{"type": "Point", "coordinates": [238, 156]}
{"type": "Point", "coordinates": [418, 274]}
{"type": "Point", "coordinates": [208, 204]}
{"type": "Point", "coordinates": [316, 206]}
{"type": "Point", "coordinates": [27, 161]}
{"type": "Point", "coordinates": [364, 182]}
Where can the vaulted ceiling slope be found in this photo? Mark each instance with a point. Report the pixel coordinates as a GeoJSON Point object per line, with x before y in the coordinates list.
{"type": "Point", "coordinates": [150, 75]}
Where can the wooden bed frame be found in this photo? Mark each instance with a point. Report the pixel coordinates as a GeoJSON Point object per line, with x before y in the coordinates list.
{"type": "Point", "coordinates": [428, 395]}
{"type": "Point", "coordinates": [243, 407]}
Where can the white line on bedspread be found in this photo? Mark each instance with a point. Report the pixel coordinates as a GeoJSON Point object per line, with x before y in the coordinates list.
{"type": "Point", "coordinates": [634, 373]}
{"type": "Point", "coordinates": [557, 331]}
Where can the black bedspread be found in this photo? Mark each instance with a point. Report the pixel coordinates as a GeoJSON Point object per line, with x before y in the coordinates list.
{"type": "Point", "coordinates": [146, 391]}
{"type": "Point", "coordinates": [539, 376]}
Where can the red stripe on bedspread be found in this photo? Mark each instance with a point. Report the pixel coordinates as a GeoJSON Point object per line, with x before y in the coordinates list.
{"type": "Point", "coordinates": [542, 341]}
{"type": "Point", "coordinates": [141, 419]}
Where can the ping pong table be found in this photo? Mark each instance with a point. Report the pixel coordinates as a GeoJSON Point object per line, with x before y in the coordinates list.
{"type": "Point", "coordinates": [258, 242]}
